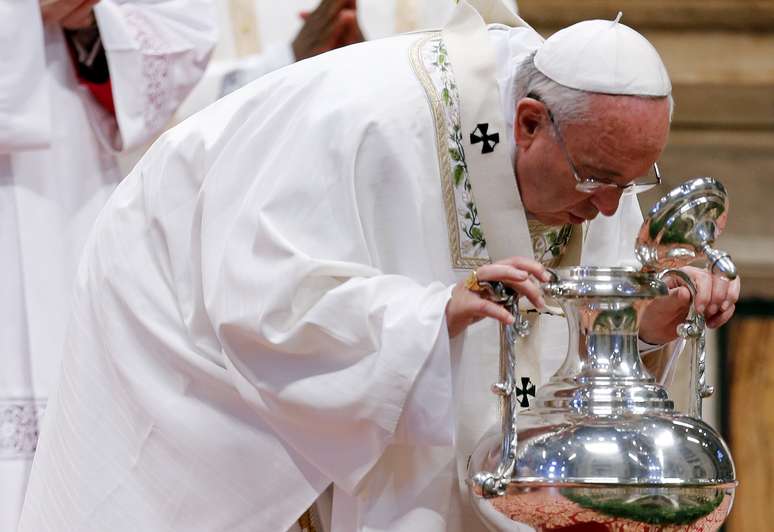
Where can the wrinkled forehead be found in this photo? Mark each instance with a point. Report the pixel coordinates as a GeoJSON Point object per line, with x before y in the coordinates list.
{"type": "Point", "coordinates": [644, 120]}
{"type": "Point", "coordinates": [623, 133]}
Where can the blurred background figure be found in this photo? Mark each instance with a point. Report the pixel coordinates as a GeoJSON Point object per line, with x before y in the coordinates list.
{"type": "Point", "coordinates": [81, 80]}
{"type": "Point", "coordinates": [263, 35]}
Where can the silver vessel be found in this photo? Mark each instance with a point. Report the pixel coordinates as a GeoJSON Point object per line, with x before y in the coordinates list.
{"type": "Point", "coordinates": [602, 448]}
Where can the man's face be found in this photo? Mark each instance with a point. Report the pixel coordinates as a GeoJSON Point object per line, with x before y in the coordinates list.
{"type": "Point", "coordinates": [618, 143]}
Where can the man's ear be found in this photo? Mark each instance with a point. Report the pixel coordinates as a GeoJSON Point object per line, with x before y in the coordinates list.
{"type": "Point", "coordinates": [530, 116]}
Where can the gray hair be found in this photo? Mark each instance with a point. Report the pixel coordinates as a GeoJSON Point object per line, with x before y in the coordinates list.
{"type": "Point", "coordinates": [566, 104]}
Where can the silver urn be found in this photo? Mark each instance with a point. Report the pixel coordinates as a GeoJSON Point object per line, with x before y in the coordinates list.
{"type": "Point", "coordinates": [602, 447]}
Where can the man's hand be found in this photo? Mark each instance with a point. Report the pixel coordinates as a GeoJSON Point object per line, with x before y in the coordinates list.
{"type": "Point", "coordinates": [467, 307]}
{"type": "Point", "coordinates": [716, 299]}
{"type": "Point", "coordinates": [332, 25]}
{"type": "Point", "coordinates": [69, 14]}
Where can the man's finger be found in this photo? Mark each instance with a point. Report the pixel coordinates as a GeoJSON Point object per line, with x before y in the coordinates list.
{"type": "Point", "coordinates": [718, 294]}
{"type": "Point", "coordinates": [514, 278]}
{"type": "Point", "coordinates": [732, 296]}
{"type": "Point", "coordinates": [680, 296]}
{"type": "Point", "coordinates": [329, 9]}
{"type": "Point", "coordinates": [532, 292]}
{"type": "Point", "coordinates": [354, 34]}
{"type": "Point", "coordinates": [337, 29]}
{"type": "Point", "coordinates": [350, 33]}
{"type": "Point", "coordinates": [719, 319]}
{"type": "Point", "coordinates": [530, 265]}
{"type": "Point", "coordinates": [703, 283]}
{"type": "Point", "coordinates": [501, 272]}
{"type": "Point", "coordinates": [484, 308]}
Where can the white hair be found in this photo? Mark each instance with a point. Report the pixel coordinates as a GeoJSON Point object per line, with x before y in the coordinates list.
{"type": "Point", "coordinates": [566, 104]}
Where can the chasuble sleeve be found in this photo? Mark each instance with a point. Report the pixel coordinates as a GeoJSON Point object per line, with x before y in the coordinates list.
{"type": "Point", "coordinates": [156, 52]}
{"type": "Point", "coordinates": [323, 339]}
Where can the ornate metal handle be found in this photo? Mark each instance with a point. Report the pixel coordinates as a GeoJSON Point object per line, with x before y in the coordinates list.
{"type": "Point", "coordinates": [493, 484]}
{"type": "Point", "coordinates": [694, 329]}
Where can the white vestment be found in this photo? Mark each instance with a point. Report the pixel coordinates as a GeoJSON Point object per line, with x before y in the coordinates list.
{"type": "Point", "coordinates": [56, 171]}
{"type": "Point", "coordinates": [260, 312]}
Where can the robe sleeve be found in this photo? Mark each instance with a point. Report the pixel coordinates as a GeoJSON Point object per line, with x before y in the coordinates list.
{"type": "Point", "coordinates": [156, 53]}
{"type": "Point", "coordinates": [25, 109]}
{"type": "Point", "coordinates": [324, 344]}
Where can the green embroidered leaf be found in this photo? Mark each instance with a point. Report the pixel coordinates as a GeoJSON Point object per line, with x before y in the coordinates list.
{"type": "Point", "coordinates": [445, 95]}
{"type": "Point", "coordinates": [476, 234]}
{"type": "Point", "coordinates": [459, 173]}
{"type": "Point", "coordinates": [455, 154]}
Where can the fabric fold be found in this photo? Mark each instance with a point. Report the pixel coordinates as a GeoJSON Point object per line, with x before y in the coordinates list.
{"type": "Point", "coordinates": [25, 102]}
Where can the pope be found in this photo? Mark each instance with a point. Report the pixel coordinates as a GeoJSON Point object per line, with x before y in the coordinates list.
{"type": "Point", "coordinates": [274, 310]}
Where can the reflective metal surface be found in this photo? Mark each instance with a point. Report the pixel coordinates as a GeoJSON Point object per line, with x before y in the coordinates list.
{"type": "Point", "coordinates": [602, 447]}
{"type": "Point", "coordinates": [681, 227]}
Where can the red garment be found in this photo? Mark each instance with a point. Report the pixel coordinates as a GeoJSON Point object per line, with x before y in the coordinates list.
{"type": "Point", "coordinates": [103, 93]}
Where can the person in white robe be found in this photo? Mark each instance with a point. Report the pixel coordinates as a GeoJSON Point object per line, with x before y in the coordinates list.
{"type": "Point", "coordinates": [59, 131]}
{"type": "Point", "coordinates": [272, 308]}
{"type": "Point", "coordinates": [285, 37]}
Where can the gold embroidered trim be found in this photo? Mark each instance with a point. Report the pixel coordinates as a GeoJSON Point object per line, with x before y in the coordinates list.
{"type": "Point", "coordinates": [305, 522]}
{"type": "Point", "coordinates": [444, 161]}
{"type": "Point", "coordinates": [549, 242]}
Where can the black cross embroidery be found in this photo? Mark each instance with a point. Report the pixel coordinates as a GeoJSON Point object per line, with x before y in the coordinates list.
{"type": "Point", "coordinates": [527, 389]}
{"type": "Point", "coordinates": [490, 141]}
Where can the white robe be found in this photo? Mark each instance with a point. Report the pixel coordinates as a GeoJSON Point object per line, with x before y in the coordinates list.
{"type": "Point", "coordinates": [56, 171]}
{"type": "Point", "coordinates": [260, 313]}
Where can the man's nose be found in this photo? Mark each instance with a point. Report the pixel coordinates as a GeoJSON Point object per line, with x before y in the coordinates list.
{"type": "Point", "coordinates": [606, 200]}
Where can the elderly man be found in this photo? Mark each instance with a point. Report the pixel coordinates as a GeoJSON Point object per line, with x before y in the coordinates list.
{"type": "Point", "coordinates": [274, 310]}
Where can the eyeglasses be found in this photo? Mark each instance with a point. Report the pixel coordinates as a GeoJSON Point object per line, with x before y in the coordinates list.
{"type": "Point", "coordinates": [592, 184]}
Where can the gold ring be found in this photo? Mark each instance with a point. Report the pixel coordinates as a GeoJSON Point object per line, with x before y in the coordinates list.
{"type": "Point", "coordinates": [472, 284]}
